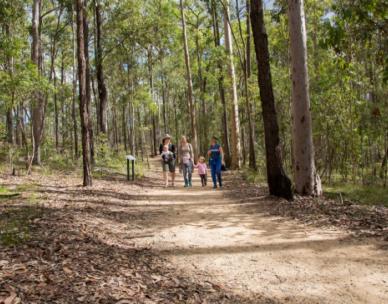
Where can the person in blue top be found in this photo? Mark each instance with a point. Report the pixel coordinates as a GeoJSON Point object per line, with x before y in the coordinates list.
{"type": "Point", "coordinates": [216, 159]}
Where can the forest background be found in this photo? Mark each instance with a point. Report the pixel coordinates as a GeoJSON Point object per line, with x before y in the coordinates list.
{"type": "Point", "coordinates": [136, 88]}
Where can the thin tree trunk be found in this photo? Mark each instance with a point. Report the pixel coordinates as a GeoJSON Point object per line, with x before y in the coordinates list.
{"type": "Point", "coordinates": [247, 74]}
{"type": "Point", "coordinates": [278, 182]}
{"type": "Point", "coordinates": [88, 85]}
{"type": "Point", "coordinates": [115, 128]}
{"type": "Point", "coordinates": [235, 121]}
{"type": "Point", "coordinates": [203, 122]}
{"type": "Point", "coordinates": [307, 181]}
{"type": "Point", "coordinates": [84, 113]}
{"type": "Point", "coordinates": [9, 110]}
{"type": "Point", "coordinates": [141, 135]}
{"type": "Point", "coordinates": [53, 78]}
{"type": "Point", "coordinates": [164, 111]}
{"type": "Point", "coordinates": [102, 90]}
{"type": "Point", "coordinates": [73, 106]}
{"type": "Point", "coordinates": [154, 140]}
{"type": "Point", "coordinates": [193, 119]}
{"type": "Point", "coordinates": [176, 123]}
{"type": "Point", "coordinates": [225, 129]}
{"type": "Point", "coordinates": [18, 131]}
{"type": "Point", "coordinates": [9, 126]}
{"type": "Point", "coordinates": [38, 105]}
{"type": "Point", "coordinates": [132, 114]}
{"type": "Point", "coordinates": [132, 137]}
{"type": "Point", "coordinates": [63, 109]}
{"type": "Point", "coordinates": [20, 117]}
{"type": "Point", "coordinates": [124, 127]}
{"type": "Point", "coordinates": [164, 97]}
{"type": "Point", "coordinates": [56, 120]}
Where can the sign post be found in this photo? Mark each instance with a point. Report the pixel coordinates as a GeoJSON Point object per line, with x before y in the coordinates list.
{"type": "Point", "coordinates": [130, 159]}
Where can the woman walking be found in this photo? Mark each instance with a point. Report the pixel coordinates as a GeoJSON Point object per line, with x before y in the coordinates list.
{"type": "Point", "coordinates": [168, 164]}
{"type": "Point", "coordinates": [216, 159]}
{"type": "Point", "coordinates": [186, 160]}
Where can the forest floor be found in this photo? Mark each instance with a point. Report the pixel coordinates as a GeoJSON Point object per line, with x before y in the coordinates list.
{"type": "Point", "coordinates": [121, 242]}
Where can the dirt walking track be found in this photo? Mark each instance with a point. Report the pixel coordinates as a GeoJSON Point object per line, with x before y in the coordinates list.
{"type": "Point", "coordinates": [210, 236]}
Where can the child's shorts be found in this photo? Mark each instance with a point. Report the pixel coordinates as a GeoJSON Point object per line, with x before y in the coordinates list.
{"type": "Point", "coordinates": [169, 166]}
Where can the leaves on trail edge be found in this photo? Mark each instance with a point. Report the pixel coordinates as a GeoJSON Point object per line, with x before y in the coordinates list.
{"type": "Point", "coordinates": [371, 221]}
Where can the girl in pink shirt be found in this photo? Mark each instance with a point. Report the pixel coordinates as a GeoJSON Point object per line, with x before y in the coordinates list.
{"type": "Point", "coordinates": [202, 170]}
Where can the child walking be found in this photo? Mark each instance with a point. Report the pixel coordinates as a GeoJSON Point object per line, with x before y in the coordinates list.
{"type": "Point", "coordinates": [202, 170]}
{"type": "Point", "coordinates": [167, 158]}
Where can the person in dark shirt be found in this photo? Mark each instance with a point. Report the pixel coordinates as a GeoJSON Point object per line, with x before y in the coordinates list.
{"type": "Point", "coordinates": [166, 141]}
{"type": "Point", "coordinates": [216, 159]}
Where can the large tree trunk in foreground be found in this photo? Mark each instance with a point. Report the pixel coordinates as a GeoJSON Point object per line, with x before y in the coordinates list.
{"type": "Point", "coordinates": [83, 103]}
{"type": "Point", "coordinates": [235, 128]}
{"type": "Point", "coordinates": [38, 104]}
{"type": "Point", "coordinates": [193, 119]}
{"type": "Point", "coordinates": [307, 181]}
{"type": "Point", "coordinates": [278, 182]}
{"type": "Point", "coordinates": [102, 91]}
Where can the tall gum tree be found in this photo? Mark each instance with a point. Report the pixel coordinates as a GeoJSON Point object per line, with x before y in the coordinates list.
{"type": "Point", "coordinates": [193, 120]}
{"type": "Point", "coordinates": [101, 86]}
{"type": "Point", "coordinates": [307, 181]}
{"type": "Point", "coordinates": [82, 85]}
{"type": "Point", "coordinates": [235, 125]}
{"type": "Point", "coordinates": [278, 182]}
{"type": "Point", "coordinates": [39, 103]}
{"type": "Point", "coordinates": [221, 88]}
{"type": "Point", "coordinates": [88, 81]}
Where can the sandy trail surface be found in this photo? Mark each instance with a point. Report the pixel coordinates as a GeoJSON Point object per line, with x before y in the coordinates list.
{"type": "Point", "coordinates": [236, 243]}
{"type": "Point", "coordinates": [208, 237]}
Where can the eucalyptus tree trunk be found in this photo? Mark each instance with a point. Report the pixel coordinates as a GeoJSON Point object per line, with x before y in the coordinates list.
{"type": "Point", "coordinates": [53, 77]}
{"type": "Point", "coordinates": [83, 103]}
{"type": "Point", "coordinates": [63, 107]}
{"type": "Point", "coordinates": [203, 128]}
{"type": "Point", "coordinates": [88, 82]}
{"type": "Point", "coordinates": [9, 110]}
{"type": "Point", "coordinates": [38, 104]}
{"type": "Point", "coordinates": [73, 104]}
{"type": "Point", "coordinates": [131, 111]}
{"type": "Point", "coordinates": [246, 69]}
{"type": "Point", "coordinates": [9, 119]}
{"type": "Point", "coordinates": [225, 130]}
{"type": "Point", "coordinates": [307, 181]}
{"type": "Point", "coordinates": [124, 126]}
{"type": "Point", "coordinates": [164, 101]}
{"type": "Point", "coordinates": [278, 182]}
{"type": "Point", "coordinates": [251, 128]}
{"type": "Point", "coordinates": [102, 90]}
{"type": "Point", "coordinates": [154, 132]}
{"type": "Point", "coordinates": [235, 121]}
{"type": "Point", "coordinates": [193, 119]}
